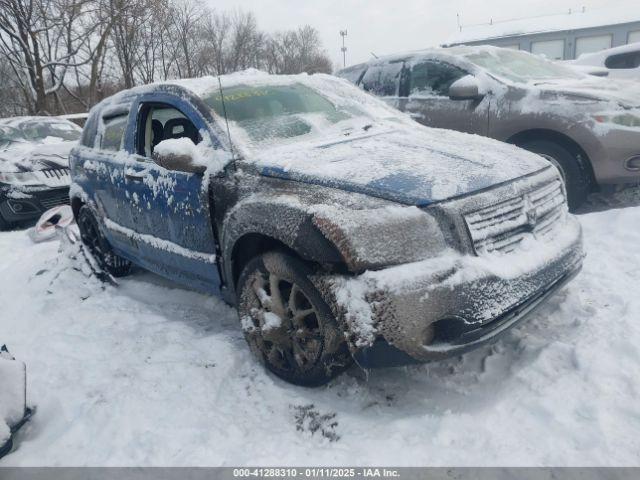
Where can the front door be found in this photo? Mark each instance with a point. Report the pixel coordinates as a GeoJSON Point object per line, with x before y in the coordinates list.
{"type": "Point", "coordinates": [425, 97]}
{"type": "Point", "coordinates": [171, 228]}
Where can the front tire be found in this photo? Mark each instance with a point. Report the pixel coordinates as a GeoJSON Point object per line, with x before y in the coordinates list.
{"type": "Point", "coordinates": [575, 176]}
{"type": "Point", "coordinates": [287, 324]}
{"type": "Point", "coordinates": [98, 245]}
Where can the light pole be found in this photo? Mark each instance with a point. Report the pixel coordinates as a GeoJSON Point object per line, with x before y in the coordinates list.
{"type": "Point", "coordinates": [343, 33]}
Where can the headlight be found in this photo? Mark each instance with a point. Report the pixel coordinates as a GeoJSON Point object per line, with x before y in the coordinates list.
{"type": "Point", "coordinates": [625, 119]}
{"type": "Point", "coordinates": [20, 178]}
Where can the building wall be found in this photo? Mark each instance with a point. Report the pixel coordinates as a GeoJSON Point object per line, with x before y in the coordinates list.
{"type": "Point", "coordinates": [619, 33]}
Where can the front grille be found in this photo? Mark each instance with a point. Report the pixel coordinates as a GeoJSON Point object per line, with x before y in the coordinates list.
{"type": "Point", "coordinates": [502, 226]}
{"type": "Point", "coordinates": [56, 172]}
{"type": "Point", "coordinates": [53, 198]}
{"type": "Point", "coordinates": [54, 177]}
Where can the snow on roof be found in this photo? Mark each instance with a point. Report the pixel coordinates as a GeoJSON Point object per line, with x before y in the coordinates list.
{"type": "Point", "coordinates": [572, 20]}
{"type": "Point", "coordinates": [586, 58]}
{"type": "Point", "coordinates": [17, 121]}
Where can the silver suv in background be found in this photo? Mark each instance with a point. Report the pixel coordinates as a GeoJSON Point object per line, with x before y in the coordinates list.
{"type": "Point", "coordinates": [588, 127]}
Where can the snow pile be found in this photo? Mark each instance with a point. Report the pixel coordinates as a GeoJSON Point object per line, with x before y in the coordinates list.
{"type": "Point", "coordinates": [153, 374]}
{"type": "Point", "coordinates": [12, 394]}
{"type": "Point", "coordinates": [201, 154]}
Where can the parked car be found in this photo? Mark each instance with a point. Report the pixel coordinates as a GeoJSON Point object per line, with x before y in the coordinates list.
{"type": "Point", "coordinates": [620, 62]}
{"type": "Point", "coordinates": [34, 166]}
{"type": "Point", "coordinates": [588, 127]}
{"type": "Point", "coordinates": [337, 226]}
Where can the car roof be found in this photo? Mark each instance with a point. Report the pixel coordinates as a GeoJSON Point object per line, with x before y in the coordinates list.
{"type": "Point", "coordinates": [460, 51]}
{"type": "Point", "coordinates": [18, 121]}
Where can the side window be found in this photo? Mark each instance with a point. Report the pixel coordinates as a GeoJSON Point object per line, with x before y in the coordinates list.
{"type": "Point", "coordinates": [433, 78]}
{"type": "Point", "coordinates": [353, 74]}
{"type": "Point", "coordinates": [623, 60]}
{"type": "Point", "coordinates": [383, 80]}
{"type": "Point", "coordinates": [111, 136]}
{"type": "Point", "coordinates": [158, 122]}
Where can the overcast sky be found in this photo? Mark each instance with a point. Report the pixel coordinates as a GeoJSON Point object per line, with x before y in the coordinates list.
{"type": "Point", "coordinates": [384, 27]}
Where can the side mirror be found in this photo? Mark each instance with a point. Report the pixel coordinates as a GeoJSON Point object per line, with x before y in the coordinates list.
{"type": "Point", "coordinates": [177, 154]}
{"type": "Point", "coordinates": [465, 88]}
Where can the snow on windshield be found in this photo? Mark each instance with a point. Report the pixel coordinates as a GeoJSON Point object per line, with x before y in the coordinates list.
{"type": "Point", "coordinates": [275, 114]}
{"type": "Point", "coordinates": [10, 136]}
{"type": "Point", "coordinates": [520, 67]}
{"type": "Point", "coordinates": [41, 129]}
{"type": "Point", "coordinates": [272, 113]}
{"type": "Point", "coordinates": [265, 110]}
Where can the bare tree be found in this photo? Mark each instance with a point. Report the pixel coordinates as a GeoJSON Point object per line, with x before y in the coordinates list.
{"type": "Point", "coordinates": [41, 40]}
{"type": "Point", "coordinates": [296, 51]}
{"type": "Point", "coordinates": [66, 55]}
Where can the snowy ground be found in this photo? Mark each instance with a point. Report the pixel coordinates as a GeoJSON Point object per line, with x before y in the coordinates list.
{"type": "Point", "coordinates": [151, 374]}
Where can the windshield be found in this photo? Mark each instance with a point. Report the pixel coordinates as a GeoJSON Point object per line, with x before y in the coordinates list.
{"type": "Point", "coordinates": [520, 67]}
{"type": "Point", "coordinates": [10, 136]}
{"type": "Point", "coordinates": [39, 130]}
{"type": "Point", "coordinates": [279, 113]}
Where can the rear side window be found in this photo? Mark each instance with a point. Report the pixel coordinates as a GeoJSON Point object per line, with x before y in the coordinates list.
{"type": "Point", "coordinates": [111, 136]}
{"type": "Point", "coordinates": [433, 78]}
{"type": "Point", "coordinates": [89, 131]}
{"type": "Point", "coordinates": [383, 80]}
{"type": "Point", "coordinates": [623, 60]}
{"type": "Point", "coordinates": [353, 74]}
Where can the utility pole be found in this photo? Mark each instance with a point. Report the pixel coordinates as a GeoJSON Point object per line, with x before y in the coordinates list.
{"type": "Point", "coordinates": [343, 33]}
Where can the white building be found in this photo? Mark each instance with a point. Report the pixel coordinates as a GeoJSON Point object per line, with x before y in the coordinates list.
{"type": "Point", "coordinates": [559, 37]}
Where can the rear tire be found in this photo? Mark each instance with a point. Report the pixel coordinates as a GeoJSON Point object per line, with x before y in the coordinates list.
{"type": "Point", "coordinates": [575, 176]}
{"type": "Point", "coordinates": [98, 245]}
{"type": "Point", "coordinates": [287, 324]}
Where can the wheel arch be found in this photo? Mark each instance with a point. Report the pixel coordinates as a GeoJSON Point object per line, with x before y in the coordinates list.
{"type": "Point", "coordinates": [76, 205]}
{"type": "Point", "coordinates": [249, 246]}
{"type": "Point", "coordinates": [525, 136]}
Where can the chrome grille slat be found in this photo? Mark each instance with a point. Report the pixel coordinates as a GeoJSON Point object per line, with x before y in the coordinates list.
{"type": "Point", "coordinates": [502, 226]}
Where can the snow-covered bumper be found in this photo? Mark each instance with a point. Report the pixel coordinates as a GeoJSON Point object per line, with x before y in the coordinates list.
{"type": "Point", "coordinates": [447, 305]}
{"type": "Point", "coordinates": [617, 156]}
{"type": "Point", "coordinates": [21, 205]}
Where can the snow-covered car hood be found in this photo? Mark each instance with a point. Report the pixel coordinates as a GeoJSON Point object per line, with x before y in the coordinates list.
{"type": "Point", "coordinates": [602, 89]}
{"type": "Point", "coordinates": [34, 156]}
{"type": "Point", "coordinates": [411, 165]}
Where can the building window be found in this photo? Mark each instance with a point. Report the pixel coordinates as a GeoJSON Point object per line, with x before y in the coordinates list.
{"type": "Point", "coordinates": [634, 37]}
{"type": "Point", "coordinates": [552, 49]}
{"type": "Point", "coordinates": [515, 46]}
{"type": "Point", "coordinates": [592, 44]}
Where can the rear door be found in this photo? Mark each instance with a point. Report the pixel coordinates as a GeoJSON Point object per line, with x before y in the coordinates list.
{"type": "Point", "coordinates": [424, 96]}
{"type": "Point", "coordinates": [170, 223]}
{"type": "Point", "coordinates": [104, 166]}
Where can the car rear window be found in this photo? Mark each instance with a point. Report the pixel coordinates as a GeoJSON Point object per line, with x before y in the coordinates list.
{"type": "Point", "coordinates": [623, 61]}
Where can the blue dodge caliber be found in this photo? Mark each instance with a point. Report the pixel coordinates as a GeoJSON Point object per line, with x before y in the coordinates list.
{"type": "Point", "coordinates": [338, 227]}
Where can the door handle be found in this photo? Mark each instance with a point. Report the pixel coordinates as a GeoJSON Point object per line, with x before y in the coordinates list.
{"type": "Point", "coordinates": [135, 176]}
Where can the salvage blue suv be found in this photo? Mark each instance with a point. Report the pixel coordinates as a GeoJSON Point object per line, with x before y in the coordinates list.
{"type": "Point", "coordinates": [338, 227]}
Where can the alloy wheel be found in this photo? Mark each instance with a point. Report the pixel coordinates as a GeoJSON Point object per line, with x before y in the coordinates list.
{"type": "Point", "coordinates": [284, 324]}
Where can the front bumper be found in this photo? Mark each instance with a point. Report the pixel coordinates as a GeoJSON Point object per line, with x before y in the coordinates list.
{"type": "Point", "coordinates": [442, 307]}
{"type": "Point", "coordinates": [28, 205]}
{"type": "Point", "coordinates": [611, 159]}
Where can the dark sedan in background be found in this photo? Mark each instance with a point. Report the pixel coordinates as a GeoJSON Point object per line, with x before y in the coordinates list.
{"type": "Point", "coordinates": [34, 166]}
